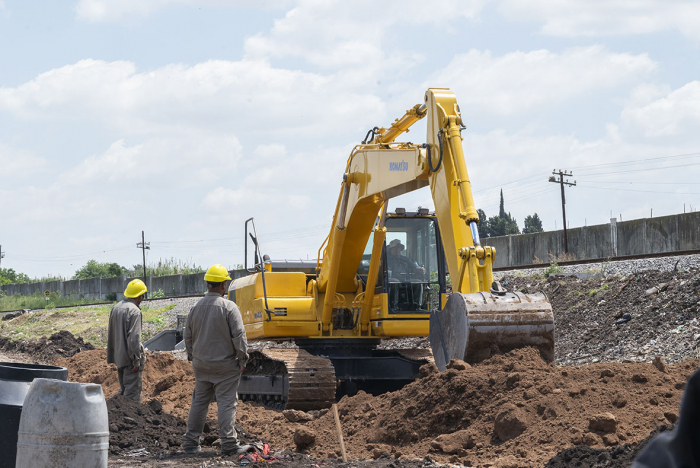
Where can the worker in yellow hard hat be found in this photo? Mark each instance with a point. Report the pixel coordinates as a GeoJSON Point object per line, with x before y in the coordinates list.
{"type": "Point", "coordinates": [124, 348]}
{"type": "Point", "coordinates": [216, 344]}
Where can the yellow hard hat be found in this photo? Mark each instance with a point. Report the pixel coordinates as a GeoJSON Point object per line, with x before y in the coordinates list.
{"type": "Point", "coordinates": [217, 274]}
{"type": "Point", "coordinates": [135, 288]}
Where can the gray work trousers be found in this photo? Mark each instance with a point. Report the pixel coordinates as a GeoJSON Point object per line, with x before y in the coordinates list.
{"type": "Point", "coordinates": [130, 383]}
{"type": "Point", "coordinates": [206, 386]}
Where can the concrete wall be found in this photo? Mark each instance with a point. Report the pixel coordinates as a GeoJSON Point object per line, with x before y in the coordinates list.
{"type": "Point", "coordinates": [640, 236]}
{"type": "Point", "coordinates": [101, 288]}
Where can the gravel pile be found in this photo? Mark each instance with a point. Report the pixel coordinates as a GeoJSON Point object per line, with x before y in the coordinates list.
{"type": "Point", "coordinates": [182, 307]}
{"type": "Point", "coordinates": [622, 318]}
{"type": "Point", "coordinates": [621, 267]}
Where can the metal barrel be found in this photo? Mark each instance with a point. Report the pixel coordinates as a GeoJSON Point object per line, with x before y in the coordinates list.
{"type": "Point", "coordinates": [471, 326]}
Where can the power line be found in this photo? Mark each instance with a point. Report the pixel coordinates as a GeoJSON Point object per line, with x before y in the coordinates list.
{"type": "Point", "coordinates": [640, 170]}
{"type": "Point", "coordinates": [642, 191]}
{"type": "Point", "coordinates": [639, 161]}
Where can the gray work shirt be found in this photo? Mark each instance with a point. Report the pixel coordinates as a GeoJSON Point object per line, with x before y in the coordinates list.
{"type": "Point", "coordinates": [124, 346]}
{"type": "Point", "coordinates": [215, 336]}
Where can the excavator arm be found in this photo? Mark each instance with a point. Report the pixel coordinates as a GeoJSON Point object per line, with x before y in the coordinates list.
{"type": "Point", "coordinates": [476, 317]}
{"type": "Point", "coordinates": [382, 169]}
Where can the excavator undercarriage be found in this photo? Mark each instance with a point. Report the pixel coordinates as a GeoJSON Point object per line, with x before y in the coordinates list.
{"type": "Point", "coordinates": [297, 379]}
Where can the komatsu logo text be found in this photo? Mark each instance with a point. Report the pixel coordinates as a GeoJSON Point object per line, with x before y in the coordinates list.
{"type": "Point", "coordinates": [398, 166]}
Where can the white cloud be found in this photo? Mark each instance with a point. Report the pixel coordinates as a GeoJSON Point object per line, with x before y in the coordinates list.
{"type": "Point", "coordinates": [676, 113]}
{"type": "Point", "coordinates": [340, 34]}
{"type": "Point", "coordinates": [196, 158]}
{"type": "Point", "coordinates": [522, 80]}
{"type": "Point", "coordinates": [271, 152]}
{"type": "Point", "coordinates": [97, 11]}
{"type": "Point", "coordinates": [571, 18]}
{"type": "Point", "coordinates": [216, 94]}
{"type": "Point", "coordinates": [18, 162]}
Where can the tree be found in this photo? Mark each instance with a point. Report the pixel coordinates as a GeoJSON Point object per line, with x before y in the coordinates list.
{"type": "Point", "coordinates": [95, 269]}
{"type": "Point", "coordinates": [502, 207]}
{"type": "Point", "coordinates": [503, 224]}
{"type": "Point", "coordinates": [10, 276]}
{"type": "Point", "coordinates": [483, 225]}
{"type": "Point", "coordinates": [533, 224]}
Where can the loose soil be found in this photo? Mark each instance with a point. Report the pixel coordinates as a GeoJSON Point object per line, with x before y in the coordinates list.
{"type": "Point", "coordinates": [509, 410]}
{"type": "Point", "coordinates": [44, 351]}
{"type": "Point", "coordinates": [134, 426]}
{"type": "Point", "coordinates": [586, 457]}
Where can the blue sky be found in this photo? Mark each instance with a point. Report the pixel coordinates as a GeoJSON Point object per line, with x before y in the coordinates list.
{"type": "Point", "coordinates": [184, 118]}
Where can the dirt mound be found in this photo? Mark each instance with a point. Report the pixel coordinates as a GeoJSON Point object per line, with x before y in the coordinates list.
{"type": "Point", "coordinates": [134, 426]}
{"type": "Point", "coordinates": [663, 307]}
{"type": "Point", "coordinates": [164, 377]}
{"type": "Point", "coordinates": [169, 380]}
{"type": "Point", "coordinates": [59, 345]}
{"type": "Point", "coordinates": [510, 410]}
{"type": "Point", "coordinates": [614, 457]}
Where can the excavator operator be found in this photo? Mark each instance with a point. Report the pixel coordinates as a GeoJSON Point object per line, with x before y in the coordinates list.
{"type": "Point", "coordinates": [402, 267]}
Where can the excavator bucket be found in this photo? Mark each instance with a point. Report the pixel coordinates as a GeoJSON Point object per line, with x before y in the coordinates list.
{"type": "Point", "coordinates": [472, 326]}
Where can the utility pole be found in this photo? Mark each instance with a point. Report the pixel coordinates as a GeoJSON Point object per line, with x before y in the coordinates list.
{"type": "Point", "coordinates": [143, 245]}
{"type": "Point", "coordinates": [563, 182]}
{"type": "Point", "coordinates": [2, 254]}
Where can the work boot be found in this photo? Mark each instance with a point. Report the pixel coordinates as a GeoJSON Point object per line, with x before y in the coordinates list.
{"type": "Point", "coordinates": [192, 450]}
{"type": "Point", "coordinates": [235, 450]}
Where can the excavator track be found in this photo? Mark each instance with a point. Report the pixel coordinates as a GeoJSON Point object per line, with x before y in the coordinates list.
{"type": "Point", "coordinates": [288, 379]}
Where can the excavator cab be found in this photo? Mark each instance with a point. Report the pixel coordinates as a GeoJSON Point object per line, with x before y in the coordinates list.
{"type": "Point", "coordinates": [412, 265]}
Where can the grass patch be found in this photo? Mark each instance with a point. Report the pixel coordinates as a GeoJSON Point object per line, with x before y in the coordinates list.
{"type": "Point", "coordinates": [89, 323]}
{"type": "Point", "coordinates": [38, 301]}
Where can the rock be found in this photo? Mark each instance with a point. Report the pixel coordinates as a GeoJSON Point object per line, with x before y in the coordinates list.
{"type": "Point", "coordinates": [607, 373]}
{"type": "Point", "coordinates": [303, 438]}
{"type": "Point", "coordinates": [659, 364]}
{"type": "Point", "coordinates": [626, 317]}
{"type": "Point", "coordinates": [656, 289]}
{"type": "Point", "coordinates": [590, 439]}
{"type": "Point", "coordinates": [296, 416]}
{"type": "Point", "coordinates": [453, 443]}
{"type": "Point", "coordinates": [640, 378]}
{"type": "Point", "coordinates": [509, 423]}
{"type": "Point", "coordinates": [611, 439]}
{"type": "Point", "coordinates": [457, 364]}
{"type": "Point", "coordinates": [156, 406]}
{"type": "Point", "coordinates": [512, 379]}
{"type": "Point", "coordinates": [672, 417]}
{"type": "Point", "coordinates": [129, 420]}
{"type": "Point", "coordinates": [381, 451]}
{"type": "Point", "coordinates": [603, 422]}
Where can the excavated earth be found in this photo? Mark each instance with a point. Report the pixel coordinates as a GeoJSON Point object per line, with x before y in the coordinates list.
{"type": "Point", "coordinates": [58, 345]}
{"type": "Point", "coordinates": [511, 410]}
{"type": "Point", "coordinates": [597, 405]}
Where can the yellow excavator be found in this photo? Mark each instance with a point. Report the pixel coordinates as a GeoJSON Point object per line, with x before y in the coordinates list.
{"type": "Point", "coordinates": [385, 275]}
